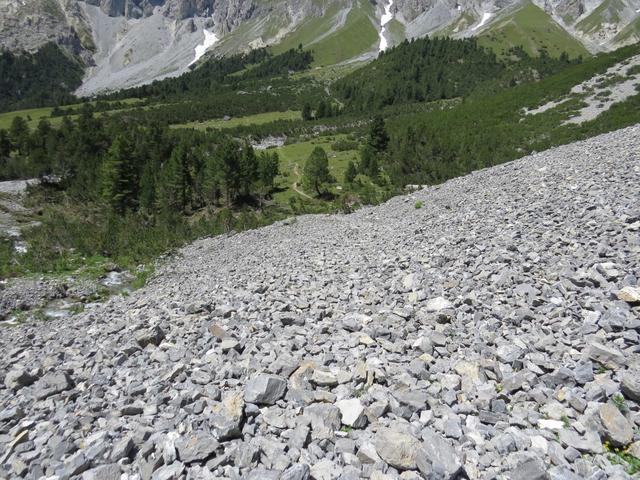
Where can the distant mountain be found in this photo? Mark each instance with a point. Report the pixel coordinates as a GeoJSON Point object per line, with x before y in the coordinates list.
{"type": "Point", "coordinates": [131, 42]}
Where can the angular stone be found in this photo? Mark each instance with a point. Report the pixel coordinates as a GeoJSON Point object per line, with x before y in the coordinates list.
{"type": "Point", "coordinates": [531, 469]}
{"type": "Point", "coordinates": [299, 471]}
{"type": "Point", "coordinates": [103, 472]}
{"type": "Point", "coordinates": [150, 336]}
{"type": "Point", "coordinates": [352, 413]}
{"type": "Point", "coordinates": [397, 448]}
{"type": "Point", "coordinates": [631, 385]}
{"type": "Point", "coordinates": [169, 472]}
{"type": "Point", "coordinates": [265, 389]}
{"type": "Point", "coordinates": [325, 469]}
{"type": "Point", "coordinates": [604, 355]}
{"type": "Point", "coordinates": [18, 378]}
{"type": "Point", "coordinates": [198, 446]}
{"type": "Point", "coordinates": [227, 417]}
{"type": "Point", "coordinates": [410, 402]}
{"type": "Point", "coordinates": [629, 294]}
{"type": "Point", "coordinates": [589, 442]}
{"type": "Point", "coordinates": [508, 353]}
{"type": "Point", "coordinates": [437, 304]}
{"type": "Point", "coordinates": [616, 429]}
{"type": "Point", "coordinates": [51, 384]}
{"type": "Point", "coordinates": [325, 420]}
{"type": "Point", "coordinates": [438, 455]}
{"type": "Point", "coordinates": [323, 378]}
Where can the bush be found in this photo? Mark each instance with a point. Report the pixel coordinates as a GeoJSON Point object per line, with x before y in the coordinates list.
{"type": "Point", "coordinates": [344, 145]}
{"type": "Point", "coordinates": [418, 205]}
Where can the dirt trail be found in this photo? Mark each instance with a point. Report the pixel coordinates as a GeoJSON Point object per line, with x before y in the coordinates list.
{"type": "Point", "coordinates": [295, 184]}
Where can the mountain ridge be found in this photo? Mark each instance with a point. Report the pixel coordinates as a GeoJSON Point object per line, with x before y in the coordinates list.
{"type": "Point", "coordinates": [129, 43]}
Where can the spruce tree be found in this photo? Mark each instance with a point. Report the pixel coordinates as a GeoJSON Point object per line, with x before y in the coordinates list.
{"type": "Point", "coordinates": [117, 180]}
{"type": "Point", "coordinates": [351, 173]}
{"type": "Point", "coordinates": [316, 170]}
{"type": "Point", "coordinates": [378, 136]}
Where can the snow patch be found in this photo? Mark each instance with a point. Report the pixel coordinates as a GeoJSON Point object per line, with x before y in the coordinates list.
{"type": "Point", "coordinates": [485, 18]}
{"type": "Point", "coordinates": [210, 40]}
{"type": "Point", "coordinates": [386, 18]}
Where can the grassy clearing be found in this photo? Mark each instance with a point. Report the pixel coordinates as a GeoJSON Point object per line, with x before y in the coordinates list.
{"type": "Point", "coordinates": [534, 29]}
{"type": "Point", "coordinates": [257, 119]}
{"type": "Point", "coordinates": [608, 11]}
{"type": "Point", "coordinates": [34, 115]}
{"type": "Point", "coordinates": [294, 156]}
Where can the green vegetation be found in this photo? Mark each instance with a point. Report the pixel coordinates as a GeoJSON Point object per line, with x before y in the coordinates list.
{"type": "Point", "coordinates": [46, 77]}
{"type": "Point", "coordinates": [257, 119]}
{"type": "Point", "coordinates": [358, 35]}
{"type": "Point", "coordinates": [534, 30]}
{"type": "Point", "coordinates": [140, 172]}
{"type": "Point", "coordinates": [418, 71]}
{"type": "Point", "coordinates": [418, 205]}
{"type": "Point", "coordinates": [621, 456]}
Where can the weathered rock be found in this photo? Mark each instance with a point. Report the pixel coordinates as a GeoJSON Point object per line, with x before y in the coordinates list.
{"type": "Point", "coordinates": [589, 442]}
{"type": "Point", "coordinates": [631, 385]}
{"type": "Point", "coordinates": [615, 428]}
{"type": "Point", "coordinates": [227, 417]}
{"type": "Point", "coordinates": [51, 384]}
{"type": "Point", "coordinates": [103, 472]}
{"type": "Point", "coordinates": [437, 455]}
{"type": "Point", "coordinates": [150, 336]}
{"type": "Point", "coordinates": [605, 355]}
{"type": "Point", "coordinates": [18, 378]}
{"type": "Point", "coordinates": [299, 471]}
{"type": "Point", "coordinates": [325, 420]}
{"type": "Point", "coordinates": [198, 446]}
{"type": "Point", "coordinates": [398, 449]}
{"type": "Point", "coordinates": [352, 413]}
{"type": "Point", "coordinates": [629, 294]}
{"type": "Point", "coordinates": [265, 389]}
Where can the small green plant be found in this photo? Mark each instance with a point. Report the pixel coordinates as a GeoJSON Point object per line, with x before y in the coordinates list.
{"type": "Point", "coordinates": [346, 428]}
{"type": "Point", "coordinates": [499, 387]}
{"type": "Point", "coordinates": [618, 401]}
{"type": "Point", "coordinates": [418, 205]}
{"type": "Point", "coordinates": [621, 456]}
{"type": "Point", "coordinates": [142, 276]}
{"type": "Point", "coordinates": [565, 421]}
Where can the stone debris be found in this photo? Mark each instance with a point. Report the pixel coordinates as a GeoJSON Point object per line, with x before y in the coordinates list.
{"type": "Point", "coordinates": [492, 334]}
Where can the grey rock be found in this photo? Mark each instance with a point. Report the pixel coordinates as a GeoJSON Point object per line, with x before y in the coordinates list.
{"type": "Point", "coordinates": [615, 428]}
{"type": "Point", "coordinates": [52, 383]}
{"type": "Point", "coordinates": [18, 378]}
{"type": "Point", "coordinates": [151, 336]}
{"type": "Point", "coordinates": [398, 449]}
{"type": "Point", "coordinates": [198, 446]}
{"type": "Point", "coordinates": [265, 389]}
{"type": "Point", "coordinates": [589, 442]}
{"type": "Point", "coordinates": [531, 469]}
{"type": "Point", "coordinates": [299, 471]}
{"type": "Point", "coordinates": [631, 385]}
{"type": "Point", "coordinates": [325, 420]}
{"type": "Point", "coordinates": [352, 412]}
{"type": "Point", "coordinates": [103, 472]}
{"type": "Point", "coordinates": [437, 455]}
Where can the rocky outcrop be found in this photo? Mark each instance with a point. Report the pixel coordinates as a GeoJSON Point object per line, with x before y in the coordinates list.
{"type": "Point", "coordinates": [481, 335]}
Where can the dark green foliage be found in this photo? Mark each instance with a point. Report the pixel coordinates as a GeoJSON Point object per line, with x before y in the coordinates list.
{"type": "Point", "coordinates": [47, 77]}
{"type": "Point", "coordinates": [421, 70]}
{"type": "Point", "coordinates": [483, 131]}
{"type": "Point", "coordinates": [351, 173]}
{"type": "Point", "coordinates": [306, 111]}
{"type": "Point", "coordinates": [289, 61]}
{"type": "Point", "coordinates": [378, 136]}
{"type": "Point", "coordinates": [316, 170]}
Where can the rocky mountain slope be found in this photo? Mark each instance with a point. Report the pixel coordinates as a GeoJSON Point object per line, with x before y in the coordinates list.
{"type": "Point", "coordinates": [493, 331]}
{"type": "Point", "coordinates": [130, 42]}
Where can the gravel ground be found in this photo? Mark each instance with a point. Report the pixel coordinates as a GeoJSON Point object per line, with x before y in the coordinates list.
{"type": "Point", "coordinates": [491, 334]}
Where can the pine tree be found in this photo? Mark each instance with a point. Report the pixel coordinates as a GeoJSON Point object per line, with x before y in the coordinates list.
{"type": "Point", "coordinates": [19, 134]}
{"type": "Point", "coordinates": [176, 181]}
{"type": "Point", "coordinates": [229, 169]}
{"type": "Point", "coordinates": [248, 169]}
{"type": "Point", "coordinates": [306, 112]}
{"type": "Point", "coordinates": [117, 180]}
{"type": "Point", "coordinates": [316, 170]}
{"type": "Point", "coordinates": [378, 136]}
{"type": "Point", "coordinates": [351, 173]}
